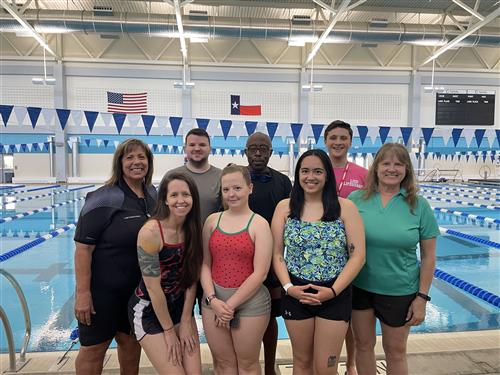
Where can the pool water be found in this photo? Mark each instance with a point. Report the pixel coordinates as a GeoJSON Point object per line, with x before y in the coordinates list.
{"type": "Point", "coordinates": [46, 273]}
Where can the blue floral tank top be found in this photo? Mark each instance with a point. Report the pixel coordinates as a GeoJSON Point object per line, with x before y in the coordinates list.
{"type": "Point", "coordinates": [315, 251]}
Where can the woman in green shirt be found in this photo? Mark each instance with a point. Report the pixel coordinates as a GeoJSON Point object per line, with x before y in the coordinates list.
{"type": "Point", "coordinates": [392, 286]}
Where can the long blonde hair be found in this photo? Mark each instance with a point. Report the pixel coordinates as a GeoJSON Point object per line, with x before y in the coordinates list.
{"type": "Point", "coordinates": [409, 183]}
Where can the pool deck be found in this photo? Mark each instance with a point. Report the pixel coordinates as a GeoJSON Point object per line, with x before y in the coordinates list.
{"type": "Point", "coordinates": [473, 352]}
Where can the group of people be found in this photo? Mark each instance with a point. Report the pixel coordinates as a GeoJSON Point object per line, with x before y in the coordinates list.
{"type": "Point", "coordinates": [250, 246]}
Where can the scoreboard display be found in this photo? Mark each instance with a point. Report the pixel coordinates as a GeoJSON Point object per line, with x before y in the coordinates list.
{"type": "Point", "coordinates": [465, 108]}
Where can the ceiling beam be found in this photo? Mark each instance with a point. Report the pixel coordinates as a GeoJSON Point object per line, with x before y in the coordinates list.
{"type": "Point", "coordinates": [469, 9]}
{"type": "Point", "coordinates": [180, 28]}
{"type": "Point", "coordinates": [19, 18]}
{"type": "Point", "coordinates": [329, 28]}
{"type": "Point", "coordinates": [25, 6]}
{"type": "Point", "coordinates": [2, 35]}
{"type": "Point", "coordinates": [464, 35]}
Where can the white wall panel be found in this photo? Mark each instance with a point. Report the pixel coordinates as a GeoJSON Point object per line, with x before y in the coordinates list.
{"type": "Point", "coordinates": [18, 90]}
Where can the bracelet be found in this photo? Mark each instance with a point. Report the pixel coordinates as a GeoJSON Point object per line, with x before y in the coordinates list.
{"type": "Point", "coordinates": [334, 292]}
{"type": "Point", "coordinates": [169, 329]}
{"type": "Point", "coordinates": [424, 296]}
{"type": "Point", "coordinates": [287, 286]}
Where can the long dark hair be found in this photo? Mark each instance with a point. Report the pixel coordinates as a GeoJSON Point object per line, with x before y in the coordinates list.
{"type": "Point", "coordinates": [331, 205]}
{"type": "Point", "coordinates": [193, 244]}
{"type": "Point", "coordinates": [123, 149]}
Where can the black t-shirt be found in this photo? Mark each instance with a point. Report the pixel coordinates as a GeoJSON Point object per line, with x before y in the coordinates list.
{"type": "Point", "coordinates": [111, 219]}
{"type": "Point", "coordinates": [268, 192]}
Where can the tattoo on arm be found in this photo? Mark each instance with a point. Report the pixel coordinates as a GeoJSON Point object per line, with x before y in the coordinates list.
{"type": "Point", "coordinates": [281, 259]}
{"type": "Point", "coordinates": [351, 248]}
{"type": "Point", "coordinates": [332, 361]}
{"type": "Point", "coordinates": [149, 263]}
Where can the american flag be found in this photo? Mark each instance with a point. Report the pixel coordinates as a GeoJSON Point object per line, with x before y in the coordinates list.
{"type": "Point", "coordinates": [127, 103]}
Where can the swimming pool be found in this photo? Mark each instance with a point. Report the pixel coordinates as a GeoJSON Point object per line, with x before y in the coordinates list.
{"type": "Point", "coordinates": [46, 272]}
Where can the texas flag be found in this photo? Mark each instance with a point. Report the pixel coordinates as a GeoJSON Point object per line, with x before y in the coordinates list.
{"type": "Point", "coordinates": [243, 110]}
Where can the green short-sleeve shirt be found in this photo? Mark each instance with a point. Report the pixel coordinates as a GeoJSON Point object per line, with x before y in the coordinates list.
{"type": "Point", "coordinates": [392, 235]}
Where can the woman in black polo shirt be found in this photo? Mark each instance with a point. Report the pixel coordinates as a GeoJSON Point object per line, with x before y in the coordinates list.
{"type": "Point", "coordinates": [106, 265]}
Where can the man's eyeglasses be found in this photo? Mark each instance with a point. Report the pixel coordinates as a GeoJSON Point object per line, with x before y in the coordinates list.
{"type": "Point", "coordinates": [263, 149]}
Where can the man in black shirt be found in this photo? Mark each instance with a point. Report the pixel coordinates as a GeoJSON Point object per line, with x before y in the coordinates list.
{"type": "Point", "coordinates": [269, 188]}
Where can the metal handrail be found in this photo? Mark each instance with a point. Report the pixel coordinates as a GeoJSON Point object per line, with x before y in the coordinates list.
{"type": "Point", "coordinates": [10, 339]}
{"type": "Point", "coordinates": [27, 319]}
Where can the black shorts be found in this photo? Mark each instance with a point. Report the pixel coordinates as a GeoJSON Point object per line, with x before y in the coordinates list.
{"type": "Point", "coordinates": [272, 280]}
{"type": "Point", "coordinates": [391, 310]}
{"type": "Point", "coordinates": [143, 318]}
{"type": "Point", "coordinates": [338, 308]}
{"type": "Point", "coordinates": [111, 317]}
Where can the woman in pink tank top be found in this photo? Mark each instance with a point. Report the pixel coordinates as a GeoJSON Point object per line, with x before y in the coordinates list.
{"type": "Point", "coordinates": [237, 251]}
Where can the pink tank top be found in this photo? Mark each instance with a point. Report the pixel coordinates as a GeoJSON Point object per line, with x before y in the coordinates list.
{"type": "Point", "coordinates": [232, 256]}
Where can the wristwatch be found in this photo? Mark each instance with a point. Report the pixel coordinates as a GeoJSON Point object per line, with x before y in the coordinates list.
{"type": "Point", "coordinates": [209, 298]}
{"type": "Point", "coordinates": [424, 296]}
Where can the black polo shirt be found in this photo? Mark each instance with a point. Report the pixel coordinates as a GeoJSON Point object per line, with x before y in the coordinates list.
{"type": "Point", "coordinates": [111, 219]}
{"type": "Point", "coordinates": [268, 191]}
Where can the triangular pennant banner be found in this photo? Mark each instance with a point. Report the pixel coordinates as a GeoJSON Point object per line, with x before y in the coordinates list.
{"type": "Point", "coordinates": [119, 120]}
{"type": "Point", "coordinates": [62, 115]}
{"type": "Point", "coordinates": [34, 113]}
{"type": "Point", "coordinates": [296, 128]}
{"type": "Point", "coordinates": [455, 134]}
{"type": "Point", "coordinates": [317, 129]}
{"type": "Point", "coordinates": [48, 115]}
{"type": "Point", "coordinates": [226, 126]}
{"type": "Point", "coordinates": [77, 117]}
{"type": "Point", "coordinates": [383, 131]}
{"type": "Point", "coordinates": [363, 132]}
{"type": "Point", "coordinates": [406, 134]}
{"type": "Point", "coordinates": [202, 123]}
{"type": "Point", "coordinates": [105, 141]}
{"type": "Point", "coordinates": [427, 134]}
{"type": "Point", "coordinates": [91, 117]}
{"type": "Point", "coordinates": [271, 129]}
{"type": "Point", "coordinates": [20, 113]}
{"type": "Point", "coordinates": [5, 111]}
{"type": "Point", "coordinates": [498, 137]}
{"type": "Point", "coordinates": [479, 134]}
{"type": "Point", "coordinates": [29, 146]}
{"type": "Point", "coordinates": [116, 143]}
{"type": "Point", "coordinates": [175, 122]}
{"type": "Point", "coordinates": [106, 118]}
{"type": "Point", "coordinates": [87, 142]}
{"type": "Point", "coordinates": [99, 142]}
{"type": "Point", "coordinates": [251, 126]}
{"type": "Point", "coordinates": [148, 120]}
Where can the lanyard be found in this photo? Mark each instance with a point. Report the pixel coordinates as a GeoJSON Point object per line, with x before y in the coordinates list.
{"type": "Point", "coordinates": [342, 180]}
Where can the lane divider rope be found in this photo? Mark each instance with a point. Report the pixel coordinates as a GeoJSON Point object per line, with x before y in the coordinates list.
{"type": "Point", "coordinates": [490, 199]}
{"type": "Point", "coordinates": [461, 202]}
{"type": "Point", "coordinates": [32, 212]}
{"type": "Point", "coordinates": [486, 219]}
{"type": "Point", "coordinates": [11, 187]}
{"type": "Point", "coordinates": [28, 190]}
{"type": "Point", "coordinates": [21, 249]}
{"type": "Point", "coordinates": [482, 192]}
{"type": "Point", "coordinates": [47, 195]}
{"type": "Point", "coordinates": [470, 237]}
{"type": "Point", "coordinates": [476, 291]}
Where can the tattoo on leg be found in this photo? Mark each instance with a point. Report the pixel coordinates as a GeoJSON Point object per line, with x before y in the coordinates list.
{"type": "Point", "coordinates": [149, 263]}
{"type": "Point", "coordinates": [332, 361]}
{"type": "Point", "coordinates": [351, 248]}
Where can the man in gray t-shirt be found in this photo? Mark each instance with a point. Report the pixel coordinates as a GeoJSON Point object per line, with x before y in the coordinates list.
{"type": "Point", "coordinates": [207, 177]}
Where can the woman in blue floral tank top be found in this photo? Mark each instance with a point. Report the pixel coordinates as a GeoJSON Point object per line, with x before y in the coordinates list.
{"type": "Point", "coordinates": [319, 248]}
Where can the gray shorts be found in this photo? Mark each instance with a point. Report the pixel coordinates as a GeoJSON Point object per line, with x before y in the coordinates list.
{"type": "Point", "coordinates": [259, 304]}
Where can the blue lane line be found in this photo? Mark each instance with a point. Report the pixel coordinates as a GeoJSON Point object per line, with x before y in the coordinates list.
{"type": "Point", "coordinates": [469, 216]}
{"type": "Point", "coordinates": [28, 190]}
{"type": "Point", "coordinates": [11, 187]}
{"type": "Point", "coordinates": [21, 249]}
{"type": "Point", "coordinates": [428, 191]}
{"type": "Point", "coordinates": [461, 202]}
{"type": "Point", "coordinates": [46, 195]}
{"type": "Point", "coordinates": [486, 296]}
{"type": "Point", "coordinates": [482, 191]}
{"type": "Point", "coordinates": [32, 212]}
{"type": "Point", "coordinates": [470, 237]}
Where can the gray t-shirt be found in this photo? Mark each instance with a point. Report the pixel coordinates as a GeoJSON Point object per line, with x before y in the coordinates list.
{"type": "Point", "coordinates": [208, 184]}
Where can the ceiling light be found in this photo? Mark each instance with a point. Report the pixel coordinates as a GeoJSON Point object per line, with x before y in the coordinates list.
{"type": "Point", "coordinates": [312, 88]}
{"type": "Point", "coordinates": [51, 81]}
{"type": "Point", "coordinates": [184, 85]}
{"type": "Point", "coordinates": [37, 80]}
{"type": "Point", "coordinates": [197, 39]}
{"type": "Point", "coordinates": [296, 43]}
